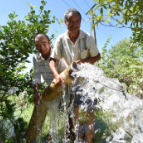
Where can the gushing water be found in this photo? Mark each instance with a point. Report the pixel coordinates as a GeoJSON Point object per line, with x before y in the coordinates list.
{"type": "Point", "coordinates": [118, 115]}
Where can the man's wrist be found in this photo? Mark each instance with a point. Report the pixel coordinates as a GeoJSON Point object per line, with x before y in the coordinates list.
{"type": "Point", "coordinates": [56, 75]}
{"type": "Point", "coordinates": [36, 92]}
{"type": "Point", "coordinates": [36, 88]}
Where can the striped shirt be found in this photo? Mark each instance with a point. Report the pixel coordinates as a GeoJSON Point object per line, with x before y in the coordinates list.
{"type": "Point", "coordinates": [41, 68]}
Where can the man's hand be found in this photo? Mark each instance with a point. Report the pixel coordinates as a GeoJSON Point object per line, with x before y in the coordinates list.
{"type": "Point", "coordinates": [36, 98]}
{"type": "Point", "coordinates": [59, 79]}
{"type": "Point", "coordinates": [79, 61]}
{"type": "Point", "coordinates": [37, 95]}
{"type": "Point", "coordinates": [90, 60]}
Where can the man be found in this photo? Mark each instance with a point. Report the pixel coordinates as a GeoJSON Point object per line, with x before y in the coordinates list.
{"type": "Point", "coordinates": [41, 64]}
{"type": "Point", "coordinates": [74, 45]}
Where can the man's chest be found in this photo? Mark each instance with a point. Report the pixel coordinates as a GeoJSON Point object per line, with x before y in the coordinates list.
{"type": "Point", "coordinates": [75, 51]}
{"type": "Point", "coordinates": [43, 66]}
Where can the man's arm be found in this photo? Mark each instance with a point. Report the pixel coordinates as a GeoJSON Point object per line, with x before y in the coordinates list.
{"type": "Point", "coordinates": [93, 51]}
{"type": "Point", "coordinates": [91, 60]}
{"type": "Point", "coordinates": [37, 81]}
{"type": "Point", "coordinates": [37, 95]}
{"type": "Point", "coordinates": [58, 77]}
{"type": "Point", "coordinates": [36, 88]}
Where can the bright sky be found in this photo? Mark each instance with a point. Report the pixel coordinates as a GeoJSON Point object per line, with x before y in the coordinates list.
{"type": "Point", "coordinates": [58, 8]}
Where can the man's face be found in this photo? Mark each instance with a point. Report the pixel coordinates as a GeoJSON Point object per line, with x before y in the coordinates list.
{"type": "Point", "coordinates": [73, 23]}
{"type": "Point", "coordinates": [42, 44]}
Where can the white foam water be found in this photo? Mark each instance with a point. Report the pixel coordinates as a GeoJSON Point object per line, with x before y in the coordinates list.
{"type": "Point", "coordinates": [58, 111]}
{"type": "Point", "coordinates": [119, 115]}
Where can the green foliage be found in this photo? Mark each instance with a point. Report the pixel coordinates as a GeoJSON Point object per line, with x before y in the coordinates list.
{"type": "Point", "coordinates": [124, 13]}
{"type": "Point", "coordinates": [16, 43]}
{"type": "Point", "coordinates": [124, 62]}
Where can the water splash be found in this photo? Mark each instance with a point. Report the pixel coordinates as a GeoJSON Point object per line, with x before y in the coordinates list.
{"type": "Point", "coordinates": [118, 115]}
{"type": "Point", "coordinates": [121, 112]}
{"type": "Point", "coordinates": [59, 110]}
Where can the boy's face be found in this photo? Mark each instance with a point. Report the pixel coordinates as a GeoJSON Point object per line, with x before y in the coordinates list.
{"type": "Point", "coordinates": [42, 44]}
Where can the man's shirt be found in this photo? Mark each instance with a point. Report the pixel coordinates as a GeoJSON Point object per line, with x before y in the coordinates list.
{"type": "Point", "coordinates": [84, 47]}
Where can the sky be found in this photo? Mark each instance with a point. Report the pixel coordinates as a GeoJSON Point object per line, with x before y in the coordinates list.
{"type": "Point", "coordinates": [58, 8]}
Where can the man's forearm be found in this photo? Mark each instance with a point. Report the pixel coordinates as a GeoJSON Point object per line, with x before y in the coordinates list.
{"type": "Point", "coordinates": [92, 60]}
{"type": "Point", "coordinates": [37, 95]}
{"type": "Point", "coordinates": [53, 68]}
{"type": "Point", "coordinates": [36, 88]}
{"type": "Point", "coordinates": [58, 78]}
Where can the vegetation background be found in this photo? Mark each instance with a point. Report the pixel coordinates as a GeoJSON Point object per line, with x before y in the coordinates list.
{"type": "Point", "coordinates": [124, 60]}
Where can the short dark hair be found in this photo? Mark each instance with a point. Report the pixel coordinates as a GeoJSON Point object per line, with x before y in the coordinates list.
{"type": "Point", "coordinates": [73, 11]}
{"type": "Point", "coordinates": [43, 35]}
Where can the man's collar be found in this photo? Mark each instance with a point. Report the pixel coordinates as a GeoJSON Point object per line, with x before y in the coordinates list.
{"type": "Point", "coordinates": [39, 57]}
{"type": "Point", "coordinates": [81, 35]}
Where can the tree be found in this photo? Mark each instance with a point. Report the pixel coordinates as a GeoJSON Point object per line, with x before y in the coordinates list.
{"type": "Point", "coordinates": [124, 62]}
{"type": "Point", "coordinates": [124, 13]}
{"type": "Point", "coordinates": [16, 43]}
